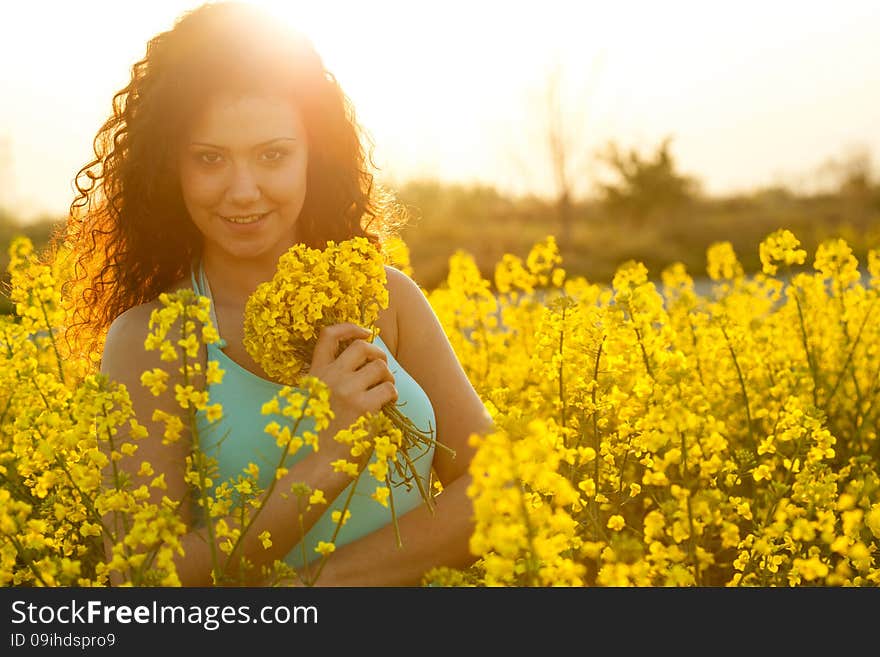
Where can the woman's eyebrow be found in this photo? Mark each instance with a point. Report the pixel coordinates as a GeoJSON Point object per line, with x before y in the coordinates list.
{"type": "Point", "coordinates": [260, 145]}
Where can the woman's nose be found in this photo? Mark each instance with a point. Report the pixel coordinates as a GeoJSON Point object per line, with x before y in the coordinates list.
{"type": "Point", "coordinates": [243, 188]}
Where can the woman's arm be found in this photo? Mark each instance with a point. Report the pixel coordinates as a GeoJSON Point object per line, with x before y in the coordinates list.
{"type": "Point", "coordinates": [428, 540]}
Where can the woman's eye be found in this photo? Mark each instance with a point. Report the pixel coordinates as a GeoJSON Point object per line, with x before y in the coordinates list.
{"type": "Point", "coordinates": [209, 158]}
{"type": "Point", "coordinates": [274, 155]}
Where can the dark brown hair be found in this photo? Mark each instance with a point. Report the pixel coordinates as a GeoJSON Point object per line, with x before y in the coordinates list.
{"type": "Point", "coordinates": [128, 230]}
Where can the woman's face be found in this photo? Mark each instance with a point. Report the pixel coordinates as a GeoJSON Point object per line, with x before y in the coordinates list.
{"type": "Point", "coordinates": [243, 174]}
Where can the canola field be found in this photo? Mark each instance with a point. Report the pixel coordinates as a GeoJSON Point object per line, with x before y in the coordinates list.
{"type": "Point", "coordinates": [645, 435]}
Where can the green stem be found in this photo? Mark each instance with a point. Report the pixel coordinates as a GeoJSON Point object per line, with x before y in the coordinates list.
{"type": "Point", "coordinates": [692, 542]}
{"type": "Point", "coordinates": [197, 457]}
{"type": "Point", "coordinates": [394, 512]}
{"type": "Point", "coordinates": [742, 385]}
{"type": "Point", "coordinates": [638, 333]}
{"type": "Point", "coordinates": [692, 548]}
{"type": "Point", "coordinates": [426, 495]}
{"type": "Point", "coordinates": [850, 354]}
{"type": "Point", "coordinates": [696, 350]}
{"type": "Point", "coordinates": [530, 532]}
{"type": "Point", "coordinates": [52, 339]}
{"type": "Point", "coordinates": [239, 541]}
{"type": "Point", "coordinates": [60, 464]}
{"type": "Point", "coordinates": [6, 409]}
{"type": "Point", "coordinates": [596, 430]}
{"type": "Point", "coordinates": [561, 373]}
{"type": "Point", "coordinates": [302, 542]}
{"type": "Point", "coordinates": [644, 353]}
{"type": "Point", "coordinates": [86, 502]}
{"type": "Point", "coordinates": [348, 498]}
{"type": "Point", "coordinates": [810, 359]}
{"type": "Point", "coordinates": [20, 551]}
{"type": "Point", "coordinates": [862, 418]}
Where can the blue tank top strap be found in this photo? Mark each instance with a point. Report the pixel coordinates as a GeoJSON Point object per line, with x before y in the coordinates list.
{"type": "Point", "coordinates": [201, 287]}
{"type": "Point", "coordinates": [193, 268]}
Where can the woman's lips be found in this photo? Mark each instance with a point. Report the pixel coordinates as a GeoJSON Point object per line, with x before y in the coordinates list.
{"type": "Point", "coordinates": [244, 226]}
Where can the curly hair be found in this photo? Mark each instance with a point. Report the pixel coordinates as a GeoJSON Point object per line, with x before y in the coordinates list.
{"type": "Point", "coordinates": [128, 231]}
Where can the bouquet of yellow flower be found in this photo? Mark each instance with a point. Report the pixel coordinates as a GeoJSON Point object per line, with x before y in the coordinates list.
{"type": "Point", "coordinates": [313, 288]}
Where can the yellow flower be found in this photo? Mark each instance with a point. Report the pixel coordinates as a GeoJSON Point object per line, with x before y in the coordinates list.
{"type": "Point", "coordinates": [872, 520]}
{"type": "Point", "coordinates": [343, 282]}
{"type": "Point", "coordinates": [381, 495]}
{"type": "Point", "coordinates": [780, 246]}
{"type": "Point", "coordinates": [325, 548]}
{"type": "Point", "coordinates": [156, 380]}
{"type": "Point", "coordinates": [616, 523]}
{"type": "Point", "coordinates": [722, 262]}
{"type": "Point", "coordinates": [214, 375]}
{"type": "Point", "coordinates": [214, 412]}
{"type": "Point", "coordinates": [763, 471]}
{"type": "Point", "coordinates": [341, 465]}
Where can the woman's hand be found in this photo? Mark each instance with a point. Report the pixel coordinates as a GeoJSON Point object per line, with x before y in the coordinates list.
{"type": "Point", "coordinates": [359, 379]}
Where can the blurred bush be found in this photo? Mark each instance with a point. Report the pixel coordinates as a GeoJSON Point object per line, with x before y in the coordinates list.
{"type": "Point", "coordinates": [647, 211]}
{"type": "Point", "coordinates": [38, 231]}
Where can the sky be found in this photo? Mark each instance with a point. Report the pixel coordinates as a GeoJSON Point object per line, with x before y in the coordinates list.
{"type": "Point", "coordinates": [752, 94]}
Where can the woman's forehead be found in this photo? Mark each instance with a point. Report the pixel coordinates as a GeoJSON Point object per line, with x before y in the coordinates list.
{"type": "Point", "coordinates": [249, 117]}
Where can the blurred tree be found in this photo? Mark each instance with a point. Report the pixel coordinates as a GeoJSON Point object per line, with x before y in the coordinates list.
{"type": "Point", "coordinates": [852, 174]}
{"type": "Point", "coordinates": [559, 147]}
{"type": "Point", "coordinates": [645, 187]}
{"type": "Point", "coordinates": [442, 203]}
{"type": "Point", "coordinates": [549, 145]}
{"type": "Point", "coordinates": [850, 178]}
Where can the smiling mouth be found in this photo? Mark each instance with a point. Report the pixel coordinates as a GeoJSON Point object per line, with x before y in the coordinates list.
{"type": "Point", "coordinates": [244, 219]}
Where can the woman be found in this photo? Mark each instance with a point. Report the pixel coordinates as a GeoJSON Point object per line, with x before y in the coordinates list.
{"type": "Point", "coordinates": [230, 144]}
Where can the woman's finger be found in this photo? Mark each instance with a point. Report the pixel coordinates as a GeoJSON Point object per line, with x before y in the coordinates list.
{"type": "Point", "coordinates": [329, 338]}
{"type": "Point", "coordinates": [377, 396]}
{"type": "Point", "coordinates": [371, 374]}
{"type": "Point", "coordinates": [358, 353]}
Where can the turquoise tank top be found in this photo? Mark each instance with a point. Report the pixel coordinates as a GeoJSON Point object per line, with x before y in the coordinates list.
{"type": "Point", "coordinates": [238, 439]}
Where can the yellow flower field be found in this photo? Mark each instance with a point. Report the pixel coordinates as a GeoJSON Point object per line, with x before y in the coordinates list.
{"type": "Point", "coordinates": [644, 436]}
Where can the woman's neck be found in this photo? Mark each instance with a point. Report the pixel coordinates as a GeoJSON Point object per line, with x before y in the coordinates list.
{"type": "Point", "coordinates": [233, 280]}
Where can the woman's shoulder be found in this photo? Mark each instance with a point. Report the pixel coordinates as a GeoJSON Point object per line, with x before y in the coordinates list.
{"type": "Point", "coordinates": [409, 307]}
{"type": "Point", "coordinates": [403, 291]}
{"type": "Point", "coordinates": [400, 288]}
{"type": "Point", "coordinates": [398, 279]}
{"type": "Point", "coordinates": [139, 315]}
{"type": "Point", "coordinates": [128, 331]}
